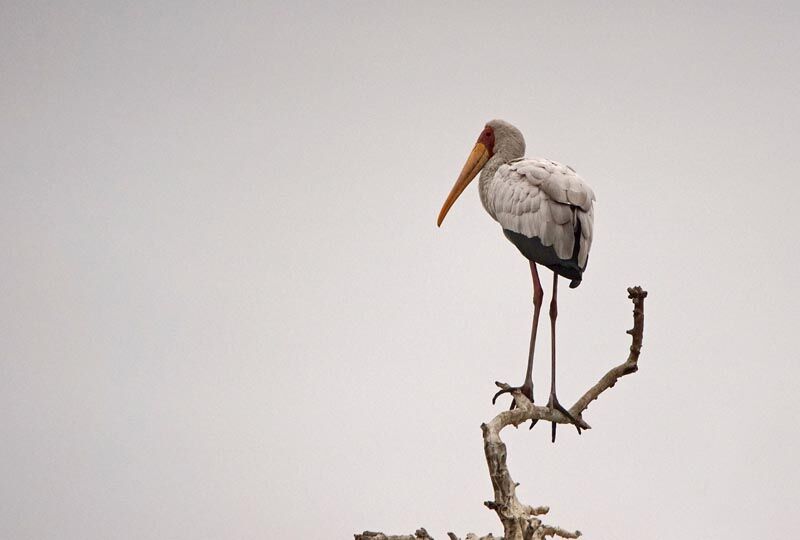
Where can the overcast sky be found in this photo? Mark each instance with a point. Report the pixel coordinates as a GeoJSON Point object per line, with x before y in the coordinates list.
{"type": "Point", "coordinates": [226, 310]}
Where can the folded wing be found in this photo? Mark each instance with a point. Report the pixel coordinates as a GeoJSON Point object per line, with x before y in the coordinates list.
{"type": "Point", "coordinates": [543, 199]}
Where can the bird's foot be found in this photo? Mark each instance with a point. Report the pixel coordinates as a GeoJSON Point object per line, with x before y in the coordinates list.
{"type": "Point", "coordinates": [555, 405]}
{"type": "Point", "coordinates": [526, 390]}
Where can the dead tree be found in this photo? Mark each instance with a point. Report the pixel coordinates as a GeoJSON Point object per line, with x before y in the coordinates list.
{"type": "Point", "coordinates": [520, 521]}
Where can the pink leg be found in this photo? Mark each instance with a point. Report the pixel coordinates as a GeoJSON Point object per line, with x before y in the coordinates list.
{"type": "Point", "coordinates": [553, 402]}
{"type": "Point", "coordinates": [538, 297]}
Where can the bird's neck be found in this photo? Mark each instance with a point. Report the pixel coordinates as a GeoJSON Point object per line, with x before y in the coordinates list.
{"type": "Point", "coordinates": [487, 177]}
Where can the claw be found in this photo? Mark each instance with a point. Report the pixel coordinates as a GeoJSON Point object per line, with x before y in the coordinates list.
{"type": "Point", "coordinates": [554, 404]}
{"type": "Point", "coordinates": [500, 393]}
{"type": "Point", "coordinates": [525, 389]}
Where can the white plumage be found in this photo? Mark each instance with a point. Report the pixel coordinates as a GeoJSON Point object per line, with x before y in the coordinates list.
{"type": "Point", "coordinates": [540, 198]}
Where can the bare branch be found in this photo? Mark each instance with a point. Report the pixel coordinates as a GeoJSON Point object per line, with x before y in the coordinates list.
{"type": "Point", "coordinates": [631, 365]}
{"type": "Point", "coordinates": [528, 411]}
{"type": "Point", "coordinates": [420, 534]}
{"type": "Point", "coordinates": [519, 520]}
{"type": "Point", "coordinates": [543, 531]}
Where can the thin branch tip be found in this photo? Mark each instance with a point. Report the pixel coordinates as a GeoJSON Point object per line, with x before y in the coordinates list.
{"type": "Point", "coordinates": [636, 292]}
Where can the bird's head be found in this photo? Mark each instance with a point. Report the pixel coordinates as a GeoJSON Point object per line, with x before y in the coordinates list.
{"type": "Point", "coordinates": [497, 138]}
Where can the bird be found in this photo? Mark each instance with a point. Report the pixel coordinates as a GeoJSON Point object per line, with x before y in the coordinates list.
{"type": "Point", "coordinates": [546, 210]}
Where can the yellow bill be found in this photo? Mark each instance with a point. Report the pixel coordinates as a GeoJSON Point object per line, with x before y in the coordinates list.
{"type": "Point", "coordinates": [475, 162]}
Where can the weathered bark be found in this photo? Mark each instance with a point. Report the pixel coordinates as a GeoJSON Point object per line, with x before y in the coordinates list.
{"type": "Point", "coordinates": [420, 534]}
{"type": "Point", "coordinates": [519, 520]}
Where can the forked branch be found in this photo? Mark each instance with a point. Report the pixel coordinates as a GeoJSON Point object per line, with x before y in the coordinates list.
{"type": "Point", "coordinates": [528, 411]}
{"type": "Point", "coordinates": [520, 521]}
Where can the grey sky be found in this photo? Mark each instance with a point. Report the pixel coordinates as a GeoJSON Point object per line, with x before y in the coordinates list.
{"type": "Point", "coordinates": [226, 310]}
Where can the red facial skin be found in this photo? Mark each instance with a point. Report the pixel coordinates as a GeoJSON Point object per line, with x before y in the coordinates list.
{"type": "Point", "coordinates": [487, 139]}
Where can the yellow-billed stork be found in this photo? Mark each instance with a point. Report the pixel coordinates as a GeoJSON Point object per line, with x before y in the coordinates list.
{"type": "Point", "coordinates": [545, 209]}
